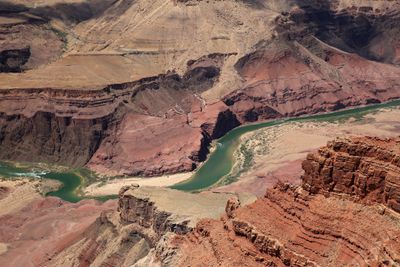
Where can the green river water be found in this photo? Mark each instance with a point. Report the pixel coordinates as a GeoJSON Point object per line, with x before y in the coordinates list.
{"type": "Point", "coordinates": [216, 168]}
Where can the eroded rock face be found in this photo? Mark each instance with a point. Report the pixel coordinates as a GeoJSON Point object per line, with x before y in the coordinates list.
{"type": "Point", "coordinates": [44, 227]}
{"type": "Point", "coordinates": [366, 168]}
{"type": "Point", "coordinates": [321, 223]}
{"type": "Point", "coordinates": [142, 232]}
{"type": "Point", "coordinates": [150, 100]}
{"type": "Point", "coordinates": [14, 60]}
{"type": "Point", "coordinates": [324, 56]}
{"type": "Point", "coordinates": [288, 79]}
{"type": "Point", "coordinates": [156, 208]}
{"type": "Point", "coordinates": [290, 226]}
{"type": "Point", "coordinates": [149, 127]}
{"type": "Point", "coordinates": [47, 137]}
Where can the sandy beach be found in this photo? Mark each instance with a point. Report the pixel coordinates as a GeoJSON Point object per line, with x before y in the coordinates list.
{"type": "Point", "coordinates": [112, 187]}
{"type": "Point", "coordinates": [278, 151]}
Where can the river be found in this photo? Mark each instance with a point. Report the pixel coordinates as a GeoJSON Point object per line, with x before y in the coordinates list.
{"type": "Point", "coordinates": [217, 167]}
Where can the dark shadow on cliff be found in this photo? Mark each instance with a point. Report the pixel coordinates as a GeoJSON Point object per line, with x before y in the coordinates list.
{"type": "Point", "coordinates": [7, 8]}
{"type": "Point", "coordinates": [256, 4]}
{"type": "Point", "coordinates": [70, 13]}
{"type": "Point", "coordinates": [371, 33]}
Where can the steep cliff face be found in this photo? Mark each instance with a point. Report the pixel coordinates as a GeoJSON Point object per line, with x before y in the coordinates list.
{"type": "Point", "coordinates": [55, 126]}
{"type": "Point", "coordinates": [289, 226]}
{"type": "Point", "coordinates": [316, 224]}
{"type": "Point", "coordinates": [50, 138]}
{"type": "Point", "coordinates": [143, 87]}
{"type": "Point", "coordinates": [148, 127]}
{"type": "Point", "coordinates": [141, 232]}
{"type": "Point", "coordinates": [288, 79]}
{"type": "Point", "coordinates": [324, 56]}
{"type": "Point", "coordinates": [365, 168]}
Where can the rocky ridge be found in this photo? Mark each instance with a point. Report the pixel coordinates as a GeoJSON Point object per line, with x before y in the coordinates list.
{"type": "Point", "coordinates": [149, 101]}
{"type": "Point", "coordinates": [147, 220]}
{"type": "Point", "coordinates": [303, 226]}
{"type": "Point", "coordinates": [97, 126]}
{"type": "Point", "coordinates": [368, 170]}
{"type": "Point", "coordinates": [290, 226]}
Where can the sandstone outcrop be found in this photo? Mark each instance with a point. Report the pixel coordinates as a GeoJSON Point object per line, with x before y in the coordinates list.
{"type": "Point", "coordinates": [149, 127]}
{"type": "Point", "coordinates": [305, 226]}
{"type": "Point", "coordinates": [366, 168]}
{"type": "Point", "coordinates": [292, 225]}
{"type": "Point", "coordinates": [156, 208]}
{"type": "Point", "coordinates": [143, 229]}
{"type": "Point", "coordinates": [324, 56]}
{"type": "Point", "coordinates": [289, 79]}
{"type": "Point", "coordinates": [146, 94]}
{"type": "Point", "coordinates": [43, 227]}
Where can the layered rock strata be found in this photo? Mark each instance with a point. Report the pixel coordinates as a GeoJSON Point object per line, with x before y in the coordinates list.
{"type": "Point", "coordinates": [324, 56]}
{"type": "Point", "coordinates": [147, 221]}
{"type": "Point", "coordinates": [304, 226]}
{"type": "Point", "coordinates": [40, 227]}
{"type": "Point", "coordinates": [149, 127]}
{"type": "Point", "coordinates": [150, 100]}
{"type": "Point", "coordinates": [366, 168]}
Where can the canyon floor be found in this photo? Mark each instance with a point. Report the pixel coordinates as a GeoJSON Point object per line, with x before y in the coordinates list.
{"type": "Point", "coordinates": [276, 152]}
{"type": "Point", "coordinates": [319, 221]}
{"type": "Point", "coordinates": [141, 90]}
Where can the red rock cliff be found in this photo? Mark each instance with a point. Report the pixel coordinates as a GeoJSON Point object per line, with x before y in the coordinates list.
{"type": "Point", "coordinates": [300, 226]}
{"type": "Point", "coordinates": [365, 168]}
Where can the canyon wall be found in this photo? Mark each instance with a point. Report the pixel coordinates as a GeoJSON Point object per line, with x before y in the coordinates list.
{"type": "Point", "coordinates": [149, 127]}
{"type": "Point", "coordinates": [150, 101]}
{"type": "Point", "coordinates": [329, 220]}
{"type": "Point", "coordinates": [304, 226]}
{"type": "Point", "coordinates": [292, 225]}
{"type": "Point", "coordinates": [324, 56]}
{"type": "Point", "coordinates": [142, 230]}
{"type": "Point", "coordinates": [367, 169]}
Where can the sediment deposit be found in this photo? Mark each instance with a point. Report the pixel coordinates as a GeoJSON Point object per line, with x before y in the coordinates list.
{"type": "Point", "coordinates": [304, 226]}
{"type": "Point", "coordinates": [291, 225]}
{"type": "Point", "coordinates": [146, 94]}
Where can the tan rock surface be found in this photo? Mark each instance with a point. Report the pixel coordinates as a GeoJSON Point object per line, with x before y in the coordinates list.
{"type": "Point", "coordinates": [366, 168]}
{"type": "Point", "coordinates": [147, 219]}
{"type": "Point", "coordinates": [143, 205]}
{"type": "Point", "coordinates": [17, 194]}
{"type": "Point", "coordinates": [125, 60]}
{"type": "Point", "coordinates": [291, 227]}
{"type": "Point", "coordinates": [33, 228]}
{"type": "Point", "coordinates": [277, 152]}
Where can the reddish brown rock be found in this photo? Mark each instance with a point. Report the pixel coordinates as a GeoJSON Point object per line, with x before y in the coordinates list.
{"type": "Point", "coordinates": [145, 145]}
{"type": "Point", "coordinates": [149, 127]}
{"type": "Point", "coordinates": [365, 168]}
{"type": "Point", "coordinates": [44, 228]}
{"type": "Point", "coordinates": [303, 57]}
{"type": "Point", "coordinates": [324, 56]}
{"type": "Point", "coordinates": [316, 224]}
{"type": "Point", "coordinates": [284, 79]}
{"type": "Point", "coordinates": [290, 226]}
